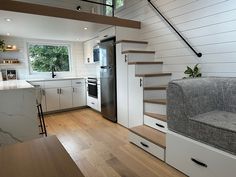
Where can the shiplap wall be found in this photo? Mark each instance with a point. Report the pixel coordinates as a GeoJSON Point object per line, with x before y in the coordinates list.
{"type": "Point", "coordinates": [209, 25]}
{"type": "Point", "coordinates": [78, 67]}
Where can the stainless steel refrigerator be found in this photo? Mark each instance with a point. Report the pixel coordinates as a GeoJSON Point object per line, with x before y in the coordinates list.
{"type": "Point", "coordinates": [108, 78]}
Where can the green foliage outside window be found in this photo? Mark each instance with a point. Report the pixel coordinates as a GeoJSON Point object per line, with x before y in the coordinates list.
{"type": "Point", "coordinates": [43, 57]}
{"type": "Point", "coordinates": [118, 4]}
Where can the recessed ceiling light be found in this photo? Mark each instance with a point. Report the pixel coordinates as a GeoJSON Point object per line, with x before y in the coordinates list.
{"type": "Point", "coordinates": [85, 28]}
{"type": "Point", "coordinates": [8, 19]}
{"type": "Point", "coordinates": [8, 34]}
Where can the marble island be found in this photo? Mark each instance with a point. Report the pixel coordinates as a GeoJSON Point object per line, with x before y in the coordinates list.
{"type": "Point", "coordinates": [18, 112]}
{"type": "Point", "coordinates": [14, 84]}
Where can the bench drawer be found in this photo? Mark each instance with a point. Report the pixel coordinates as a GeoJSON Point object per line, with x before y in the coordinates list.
{"type": "Point", "coordinates": [155, 123]}
{"type": "Point", "coordinates": [148, 146]}
{"type": "Point", "coordinates": [197, 159]}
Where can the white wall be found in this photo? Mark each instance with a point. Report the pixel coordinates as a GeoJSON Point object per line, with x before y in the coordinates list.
{"type": "Point", "coordinates": [78, 68]}
{"type": "Point", "coordinates": [209, 25]}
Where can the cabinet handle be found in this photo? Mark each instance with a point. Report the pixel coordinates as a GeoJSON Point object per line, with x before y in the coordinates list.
{"type": "Point", "coordinates": [159, 125]}
{"type": "Point", "coordinates": [125, 58]}
{"type": "Point", "coordinates": [73, 89]}
{"type": "Point", "coordinates": [199, 163]}
{"type": "Point", "coordinates": [58, 91]}
{"type": "Point", "coordinates": [141, 82]}
{"type": "Point", "coordinates": [143, 144]}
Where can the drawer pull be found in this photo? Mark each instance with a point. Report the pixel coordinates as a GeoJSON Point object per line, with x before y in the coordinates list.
{"type": "Point", "coordinates": [159, 125]}
{"type": "Point", "coordinates": [199, 163]}
{"type": "Point", "coordinates": [143, 144]}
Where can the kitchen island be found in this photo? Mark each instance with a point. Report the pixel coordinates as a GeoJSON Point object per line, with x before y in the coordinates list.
{"type": "Point", "coordinates": [18, 112]}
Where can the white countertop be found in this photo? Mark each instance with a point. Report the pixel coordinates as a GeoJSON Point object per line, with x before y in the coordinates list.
{"type": "Point", "coordinates": [55, 79]}
{"type": "Point", "coordinates": [14, 85]}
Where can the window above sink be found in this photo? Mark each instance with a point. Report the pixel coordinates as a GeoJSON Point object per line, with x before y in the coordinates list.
{"type": "Point", "coordinates": [43, 56]}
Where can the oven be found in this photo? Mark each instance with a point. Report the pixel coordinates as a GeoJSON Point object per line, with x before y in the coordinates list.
{"type": "Point", "coordinates": [92, 87]}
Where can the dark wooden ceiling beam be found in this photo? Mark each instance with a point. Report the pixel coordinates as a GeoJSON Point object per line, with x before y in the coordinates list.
{"type": "Point", "coordinates": [37, 9]}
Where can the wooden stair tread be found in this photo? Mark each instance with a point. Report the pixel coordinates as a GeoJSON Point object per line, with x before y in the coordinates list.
{"type": "Point", "coordinates": [138, 51]}
{"type": "Point", "coordinates": [150, 134]}
{"type": "Point", "coordinates": [145, 63]}
{"type": "Point", "coordinates": [156, 116]}
{"type": "Point", "coordinates": [131, 41]}
{"type": "Point", "coordinates": [156, 101]}
{"type": "Point", "coordinates": [160, 87]}
{"type": "Point", "coordinates": [153, 75]}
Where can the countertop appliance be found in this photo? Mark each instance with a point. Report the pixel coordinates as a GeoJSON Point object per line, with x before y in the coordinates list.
{"type": "Point", "coordinates": [108, 78]}
{"type": "Point", "coordinates": [92, 87]}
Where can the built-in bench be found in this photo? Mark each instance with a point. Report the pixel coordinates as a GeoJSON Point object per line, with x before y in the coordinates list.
{"type": "Point", "coordinates": [204, 109]}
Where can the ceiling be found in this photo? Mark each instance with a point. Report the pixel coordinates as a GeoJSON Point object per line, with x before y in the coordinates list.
{"type": "Point", "coordinates": [43, 27]}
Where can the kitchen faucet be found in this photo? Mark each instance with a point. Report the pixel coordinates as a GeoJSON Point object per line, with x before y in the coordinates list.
{"type": "Point", "coordinates": [53, 70]}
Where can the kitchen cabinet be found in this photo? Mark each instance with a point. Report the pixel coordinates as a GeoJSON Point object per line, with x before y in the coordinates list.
{"type": "Point", "coordinates": [65, 98]}
{"type": "Point", "coordinates": [79, 93]}
{"type": "Point", "coordinates": [88, 50]}
{"type": "Point", "coordinates": [107, 33]}
{"type": "Point", "coordinates": [62, 94]}
{"type": "Point", "coordinates": [53, 99]}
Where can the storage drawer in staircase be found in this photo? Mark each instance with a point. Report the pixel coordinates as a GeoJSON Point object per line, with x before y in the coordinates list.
{"type": "Point", "coordinates": [155, 123]}
{"type": "Point", "coordinates": [197, 159]}
{"type": "Point", "coordinates": [148, 146]}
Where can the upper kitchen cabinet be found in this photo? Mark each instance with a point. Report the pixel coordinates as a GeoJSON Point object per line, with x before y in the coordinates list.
{"type": "Point", "coordinates": [88, 50]}
{"type": "Point", "coordinates": [90, 45]}
{"type": "Point", "coordinates": [107, 33]}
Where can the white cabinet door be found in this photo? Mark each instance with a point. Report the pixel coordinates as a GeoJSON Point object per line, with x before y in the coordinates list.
{"type": "Point", "coordinates": [88, 51]}
{"type": "Point", "coordinates": [52, 99]}
{"type": "Point", "coordinates": [135, 87]}
{"type": "Point", "coordinates": [122, 88]}
{"type": "Point", "coordinates": [79, 96]}
{"type": "Point", "coordinates": [65, 97]}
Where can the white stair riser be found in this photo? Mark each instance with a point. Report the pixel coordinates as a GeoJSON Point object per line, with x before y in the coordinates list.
{"type": "Point", "coordinates": [150, 147]}
{"type": "Point", "coordinates": [131, 46]}
{"type": "Point", "coordinates": [135, 57]}
{"type": "Point", "coordinates": [155, 108]}
{"type": "Point", "coordinates": [155, 123]}
{"type": "Point", "coordinates": [148, 69]}
{"type": "Point", "coordinates": [154, 94]}
{"type": "Point", "coordinates": [156, 81]}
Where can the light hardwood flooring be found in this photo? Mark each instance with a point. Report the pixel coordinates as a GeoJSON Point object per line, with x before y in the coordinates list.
{"type": "Point", "coordinates": [101, 148]}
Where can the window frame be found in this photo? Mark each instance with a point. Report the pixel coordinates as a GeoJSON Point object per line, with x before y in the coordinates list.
{"type": "Point", "coordinates": [69, 47]}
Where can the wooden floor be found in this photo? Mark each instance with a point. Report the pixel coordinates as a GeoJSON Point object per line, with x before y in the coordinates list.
{"type": "Point", "coordinates": [100, 148]}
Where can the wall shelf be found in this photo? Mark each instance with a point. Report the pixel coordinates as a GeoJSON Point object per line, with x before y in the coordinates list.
{"type": "Point", "coordinates": [10, 64]}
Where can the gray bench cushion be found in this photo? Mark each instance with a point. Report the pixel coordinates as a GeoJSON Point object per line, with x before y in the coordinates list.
{"type": "Point", "coordinates": [218, 119]}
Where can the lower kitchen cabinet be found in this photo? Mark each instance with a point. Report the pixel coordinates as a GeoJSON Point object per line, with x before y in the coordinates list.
{"type": "Point", "coordinates": [66, 98]}
{"type": "Point", "coordinates": [52, 99]}
{"type": "Point", "coordinates": [62, 94]}
{"type": "Point", "coordinates": [79, 96]}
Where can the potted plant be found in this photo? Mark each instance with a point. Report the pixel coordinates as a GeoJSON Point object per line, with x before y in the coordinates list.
{"type": "Point", "coordinates": [193, 72]}
{"type": "Point", "coordinates": [2, 45]}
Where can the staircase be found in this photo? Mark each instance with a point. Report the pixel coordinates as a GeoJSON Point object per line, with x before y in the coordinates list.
{"type": "Point", "coordinates": [147, 124]}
